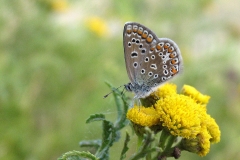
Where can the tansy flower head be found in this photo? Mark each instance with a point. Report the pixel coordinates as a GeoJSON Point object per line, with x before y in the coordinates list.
{"type": "Point", "coordinates": [199, 145]}
{"type": "Point", "coordinates": [165, 90]}
{"type": "Point", "coordinates": [212, 128]}
{"type": "Point", "coordinates": [143, 116]}
{"type": "Point", "coordinates": [209, 124]}
{"type": "Point", "coordinates": [179, 114]}
{"type": "Point", "coordinates": [195, 94]}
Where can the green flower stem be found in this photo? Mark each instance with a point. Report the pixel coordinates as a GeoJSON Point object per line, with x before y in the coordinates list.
{"type": "Point", "coordinates": [166, 142]}
{"type": "Point", "coordinates": [164, 136]}
{"type": "Point", "coordinates": [170, 142]}
{"type": "Point", "coordinates": [149, 156]}
{"type": "Point", "coordinates": [140, 139]}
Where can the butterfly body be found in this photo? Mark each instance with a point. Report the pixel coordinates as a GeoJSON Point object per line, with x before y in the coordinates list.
{"type": "Point", "coordinates": [150, 61]}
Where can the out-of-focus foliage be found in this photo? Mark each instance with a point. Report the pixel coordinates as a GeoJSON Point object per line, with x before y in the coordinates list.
{"type": "Point", "coordinates": [56, 54]}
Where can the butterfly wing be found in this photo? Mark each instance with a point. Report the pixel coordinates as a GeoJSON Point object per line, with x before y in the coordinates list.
{"type": "Point", "coordinates": [166, 62]}
{"type": "Point", "coordinates": [149, 60]}
{"type": "Point", "coordinates": [135, 49]}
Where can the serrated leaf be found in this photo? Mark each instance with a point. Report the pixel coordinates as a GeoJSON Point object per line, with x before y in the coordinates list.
{"type": "Point", "coordinates": [91, 143]}
{"type": "Point", "coordinates": [107, 132]}
{"type": "Point", "coordinates": [95, 117]}
{"type": "Point", "coordinates": [122, 120]}
{"type": "Point", "coordinates": [103, 152]}
{"type": "Point", "coordinates": [145, 148]}
{"type": "Point", "coordinates": [77, 155]}
{"type": "Point", "coordinates": [122, 107]}
{"type": "Point", "coordinates": [125, 147]}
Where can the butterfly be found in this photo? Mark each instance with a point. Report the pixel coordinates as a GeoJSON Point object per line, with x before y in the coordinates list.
{"type": "Point", "coordinates": [150, 61]}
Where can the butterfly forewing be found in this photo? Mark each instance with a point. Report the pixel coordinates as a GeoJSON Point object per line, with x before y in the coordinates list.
{"type": "Point", "coordinates": [136, 48]}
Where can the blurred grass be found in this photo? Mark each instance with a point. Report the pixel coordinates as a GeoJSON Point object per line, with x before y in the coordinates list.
{"type": "Point", "coordinates": [53, 66]}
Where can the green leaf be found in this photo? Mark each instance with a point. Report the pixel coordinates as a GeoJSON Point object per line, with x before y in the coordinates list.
{"type": "Point", "coordinates": [95, 117]}
{"type": "Point", "coordinates": [77, 155]}
{"type": "Point", "coordinates": [103, 151]}
{"type": "Point", "coordinates": [111, 132]}
{"type": "Point", "coordinates": [163, 143]}
{"type": "Point", "coordinates": [122, 107]}
{"type": "Point", "coordinates": [91, 143]}
{"type": "Point", "coordinates": [145, 148]}
{"type": "Point", "coordinates": [125, 147]}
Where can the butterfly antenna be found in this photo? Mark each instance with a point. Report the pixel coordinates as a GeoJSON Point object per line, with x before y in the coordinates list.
{"type": "Point", "coordinates": [112, 92]}
{"type": "Point", "coordinates": [123, 91]}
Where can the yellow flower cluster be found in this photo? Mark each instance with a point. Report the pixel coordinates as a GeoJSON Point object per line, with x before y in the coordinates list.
{"type": "Point", "coordinates": [183, 115]}
{"type": "Point", "coordinates": [60, 5]}
{"type": "Point", "coordinates": [166, 90]}
{"type": "Point", "coordinates": [195, 94]}
{"type": "Point", "coordinates": [97, 26]}
{"type": "Point", "coordinates": [179, 114]}
{"type": "Point", "coordinates": [143, 116]}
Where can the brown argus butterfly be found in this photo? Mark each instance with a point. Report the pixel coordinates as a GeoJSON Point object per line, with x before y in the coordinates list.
{"type": "Point", "coordinates": [150, 61]}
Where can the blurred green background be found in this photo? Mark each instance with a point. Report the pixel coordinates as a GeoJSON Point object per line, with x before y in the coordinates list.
{"type": "Point", "coordinates": [55, 56]}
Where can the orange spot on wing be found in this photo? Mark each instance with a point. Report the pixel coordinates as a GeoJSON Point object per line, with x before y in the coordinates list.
{"type": "Point", "coordinates": [129, 31]}
{"type": "Point", "coordinates": [165, 46]}
{"type": "Point", "coordinates": [149, 39]}
{"type": "Point", "coordinates": [158, 47]}
{"type": "Point", "coordinates": [135, 29]}
{"type": "Point", "coordinates": [169, 50]}
{"type": "Point", "coordinates": [152, 49]}
{"type": "Point", "coordinates": [173, 61]}
{"type": "Point", "coordinates": [144, 35]}
{"type": "Point", "coordinates": [140, 32]}
{"type": "Point", "coordinates": [174, 71]}
{"type": "Point", "coordinates": [171, 55]}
